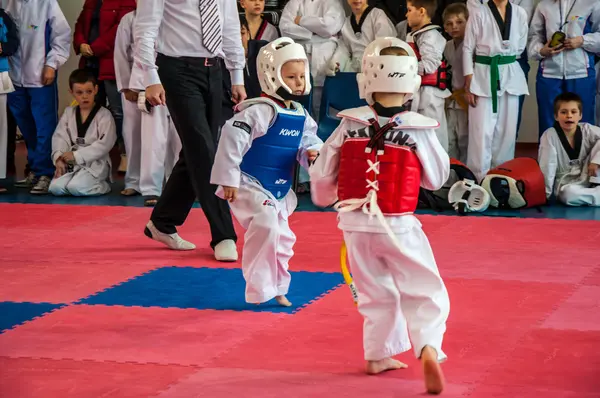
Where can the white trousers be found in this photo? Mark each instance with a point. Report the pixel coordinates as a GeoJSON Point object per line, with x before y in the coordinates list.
{"type": "Point", "coordinates": [268, 244]}
{"type": "Point", "coordinates": [492, 135]}
{"type": "Point", "coordinates": [598, 94]}
{"type": "Point", "coordinates": [579, 193]}
{"type": "Point", "coordinates": [3, 136]}
{"type": "Point", "coordinates": [458, 133]}
{"type": "Point", "coordinates": [396, 289]}
{"type": "Point", "coordinates": [79, 183]}
{"type": "Point", "coordinates": [428, 104]}
{"type": "Point", "coordinates": [152, 146]}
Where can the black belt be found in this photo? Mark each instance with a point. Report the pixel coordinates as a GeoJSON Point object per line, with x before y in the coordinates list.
{"type": "Point", "coordinates": [212, 61]}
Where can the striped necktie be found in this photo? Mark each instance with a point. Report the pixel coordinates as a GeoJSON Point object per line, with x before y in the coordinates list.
{"type": "Point", "coordinates": [211, 25]}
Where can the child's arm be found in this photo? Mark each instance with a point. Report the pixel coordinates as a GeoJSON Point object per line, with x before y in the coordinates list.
{"type": "Point", "coordinates": [523, 21]}
{"type": "Point", "coordinates": [591, 41]}
{"type": "Point", "coordinates": [431, 46]}
{"type": "Point", "coordinates": [61, 141]}
{"type": "Point", "coordinates": [537, 35]}
{"type": "Point", "coordinates": [122, 62]}
{"type": "Point", "coordinates": [324, 171]}
{"type": "Point", "coordinates": [107, 136]}
{"type": "Point", "coordinates": [435, 162]}
{"type": "Point", "coordinates": [236, 139]}
{"type": "Point", "coordinates": [382, 26]}
{"type": "Point", "coordinates": [340, 58]}
{"type": "Point", "coordinates": [548, 161]}
{"type": "Point", "coordinates": [60, 38]}
{"type": "Point", "coordinates": [329, 24]}
{"type": "Point", "coordinates": [310, 142]}
{"type": "Point", "coordinates": [11, 45]}
{"type": "Point", "coordinates": [287, 24]}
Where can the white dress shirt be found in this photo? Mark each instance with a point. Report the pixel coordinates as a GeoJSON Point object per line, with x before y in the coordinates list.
{"type": "Point", "coordinates": [174, 28]}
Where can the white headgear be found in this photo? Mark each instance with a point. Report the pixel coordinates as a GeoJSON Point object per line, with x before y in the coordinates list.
{"type": "Point", "coordinates": [269, 62]}
{"type": "Point", "coordinates": [467, 196]}
{"type": "Point", "coordinates": [388, 73]}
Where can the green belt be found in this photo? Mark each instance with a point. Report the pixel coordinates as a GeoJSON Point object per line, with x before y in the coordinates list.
{"type": "Point", "coordinates": [493, 62]}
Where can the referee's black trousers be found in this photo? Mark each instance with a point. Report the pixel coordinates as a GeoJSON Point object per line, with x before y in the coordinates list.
{"type": "Point", "coordinates": [193, 87]}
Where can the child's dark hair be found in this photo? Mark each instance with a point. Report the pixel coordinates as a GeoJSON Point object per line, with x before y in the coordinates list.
{"type": "Point", "coordinates": [567, 97]}
{"type": "Point", "coordinates": [455, 9]}
{"type": "Point", "coordinates": [82, 76]}
{"type": "Point", "coordinates": [429, 5]}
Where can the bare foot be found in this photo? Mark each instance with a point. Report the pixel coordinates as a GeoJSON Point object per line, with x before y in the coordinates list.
{"type": "Point", "coordinates": [434, 378]}
{"type": "Point", "coordinates": [282, 300]}
{"type": "Point", "coordinates": [129, 192]}
{"type": "Point", "coordinates": [375, 367]}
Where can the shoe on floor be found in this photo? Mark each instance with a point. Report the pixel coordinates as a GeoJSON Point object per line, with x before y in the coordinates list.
{"type": "Point", "coordinates": [226, 251]}
{"type": "Point", "coordinates": [173, 241]}
{"type": "Point", "coordinates": [41, 187]}
{"type": "Point", "coordinates": [27, 182]}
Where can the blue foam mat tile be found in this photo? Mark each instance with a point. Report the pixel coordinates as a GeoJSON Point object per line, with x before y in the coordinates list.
{"type": "Point", "coordinates": [209, 289]}
{"type": "Point", "coordinates": [13, 314]}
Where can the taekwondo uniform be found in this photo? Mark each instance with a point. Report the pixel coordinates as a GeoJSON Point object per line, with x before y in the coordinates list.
{"type": "Point", "coordinates": [490, 51]}
{"type": "Point", "coordinates": [257, 153]}
{"type": "Point", "coordinates": [429, 44]}
{"type": "Point", "coordinates": [357, 35]}
{"type": "Point", "coordinates": [266, 32]}
{"type": "Point", "coordinates": [90, 142]}
{"type": "Point", "coordinates": [402, 29]}
{"type": "Point", "coordinates": [151, 141]}
{"type": "Point", "coordinates": [375, 165]}
{"type": "Point", "coordinates": [597, 93]}
{"type": "Point", "coordinates": [522, 59]}
{"type": "Point", "coordinates": [45, 40]}
{"type": "Point", "coordinates": [457, 109]}
{"type": "Point", "coordinates": [569, 70]}
{"type": "Point", "coordinates": [565, 167]}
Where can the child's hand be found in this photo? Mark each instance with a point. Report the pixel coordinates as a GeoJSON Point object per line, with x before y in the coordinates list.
{"type": "Point", "coordinates": [230, 194]}
{"type": "Point", "coordinates": [68, 157]}
{"type": "Point", "coordinates": [61, 168]}
{"type": "Point", "coordinates": [548, 51]}
{"type": "Point", "coordinates": [593, 170]}
{"type": "Point", "coordinates": [312, 155]}
{"type": "Point", "coordinates": [573, 43]}
{"type": "Point", "coordinates": [130, 95]}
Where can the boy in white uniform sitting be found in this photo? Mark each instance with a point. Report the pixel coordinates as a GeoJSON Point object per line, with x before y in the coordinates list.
{"type": "Point", "coordinates": [82, 142]}
{"type": "Point", "coordinates": [569, 155]}
{"type": "Point", "coordinates": [254, 166]}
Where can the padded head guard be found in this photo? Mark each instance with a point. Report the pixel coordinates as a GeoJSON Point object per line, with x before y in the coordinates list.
{"type": "Point", "coordinates": [388, 73]}
{"type": "Point", "coordinates": [466, 196]}
{"type": "Point", "coordinates": [269, 62]}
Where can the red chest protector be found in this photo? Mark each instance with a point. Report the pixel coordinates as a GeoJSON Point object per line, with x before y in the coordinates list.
{"type": "Point", "coordinates": [372, 169]}
{"type": "Point", "coordinates": [439, 78]}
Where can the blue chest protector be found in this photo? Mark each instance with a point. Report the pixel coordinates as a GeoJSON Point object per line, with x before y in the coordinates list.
{"type": "Point", "coordinates": [271, 159]}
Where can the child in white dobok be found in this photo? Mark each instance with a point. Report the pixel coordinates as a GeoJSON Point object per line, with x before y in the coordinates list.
{"type": "Point", "coordinates": [255, 163]}
{"type": "Point", "coordinates": [151, 140]}
{"type": "Point", "coordinates": [82, 142]}
{"type": "Point", "coordinates": [374, 164]}
{"type": "Point", "coordinates": [569, 155]}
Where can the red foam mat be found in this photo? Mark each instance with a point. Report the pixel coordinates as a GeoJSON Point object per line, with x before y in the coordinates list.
{"type": "Point", "coordinates": [523, 321]}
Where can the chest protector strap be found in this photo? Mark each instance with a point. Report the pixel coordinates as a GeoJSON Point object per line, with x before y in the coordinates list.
{"type": "Point", "coordinates": [441, 77]}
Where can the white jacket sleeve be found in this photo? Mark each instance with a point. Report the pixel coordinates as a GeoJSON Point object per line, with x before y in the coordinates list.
{"type": "Point", "coordinates": [121, 59]}
{"type": "Point", "coordinates": [470, 42]}
{"type": "Point", "coordinates": [60, 38]}
{"type": "Point", "coordinates": [528, 6]}
{"type": "Point", "coordinates": [61, 140]}
{"type": "Point", "coordinates": [523, 31]}
{"type": "Point", "coordinates": [383, 27]}
{"type": "Point", "coordinates": [236, 139]}
{"type": "Point", "coordinates": [330, 23]}
{"type": "Point", "coordinates": [431, 46]}
{"type": "Point", "coordinates": [595, 151]}
{"type": "Point", "coordinates": [548, 161]}
{"type": "Point", "coordinates": [537, 35]}
{"type": "Point", "coordinates": [149, 14]}
{"type": "Point", "coordinates": [435, 162]}
{"type": "Point", "coordinates": [107, 136]}
{"type": "Point", "coordinates": [591, 41]}
{"type": "Point", "coordinates": [324, 171]}
{"type": "Point", "coordinates": [310, 141]}
{"type": "Point", "coordinates": [287, 24]}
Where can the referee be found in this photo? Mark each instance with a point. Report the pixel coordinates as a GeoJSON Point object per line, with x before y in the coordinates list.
{"type": "Point", "coordinates": [179, 43]}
